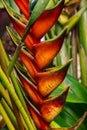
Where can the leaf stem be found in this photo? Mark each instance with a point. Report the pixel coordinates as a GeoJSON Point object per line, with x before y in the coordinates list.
{"type": "Point", "coordinates": [14, 81]}
{"type": "Point", "coordinates": [5, 95]}
{"type": "Point", "coordinates": [6, 118]}
{"type": "Point", "coordinates": [10, 113]}
{"type": "Point", "coordinates": [74, 54]}
{"type": "Point", "coordinates": [15, 98]}
{"type": "Point", "coordinates": [10, 68]}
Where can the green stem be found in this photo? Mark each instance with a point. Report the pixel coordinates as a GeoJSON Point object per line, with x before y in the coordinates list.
{"type": "Point", "coordinates": [13, 78]}
{"type": "Point", "coordinates": [52, 33]}
{"type": "Point", "coordinates": [6, 118]}
{"type": "Point", "coordinates": [68, 43]}
{"type": "Point", "coordinates": [47, 36]}
{"type": "Point", "coordinates": [5, 94]}
{"type": "Point", "coordinates": [83, 63]}
{"type": "Point", "coordinates": [15, 98]}
{"type": "Point", "coordinates": [74, 54]}
{"type": "Point", "coordinates": [82, 27]}
{"type": "Point", "coordinates": [11, 66]}
{"type": "Point", "coordinates": [4, 53]}
{"type": "Point", "coordinates": [16, 85]}
{"type": "Point", "coordinates": [10, 113]}
{"type": "Point", "coordinates": [58, 61]}
{"type": "Point", "coordinates": [2, 61]}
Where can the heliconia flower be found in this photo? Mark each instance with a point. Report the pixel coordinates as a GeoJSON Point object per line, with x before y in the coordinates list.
{"type": "Point", "coordinates": [44, 52]}
{"type": "Point", "coordinates": [31, 90]}
{"type": "Point", "coordinates": [46, 20]}
{"type": "Point", "coordinates": [50, 108]}
{"type": "Point", "coordinates": [37, 56]}
{"type": "Point", "coordinates": [24, 6]}
{"type": "Point", "coordinates": [36, 30]}
{"type": "Point", "coordinates": [29, 63]}
{"type": "Point", "coordinates": [40, 123]}
{"type": "Point", "coordinates": [49, 81]}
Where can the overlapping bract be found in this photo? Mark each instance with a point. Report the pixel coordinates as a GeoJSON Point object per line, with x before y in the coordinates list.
{"type": "Point", "coordinates": [46, 81]}
{"type": "Point", "coordinates": [24, 7]}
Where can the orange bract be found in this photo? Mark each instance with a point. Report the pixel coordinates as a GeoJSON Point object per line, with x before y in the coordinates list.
{"type": "Point", "coordinates": [52, 107]}
{"type": "Point", "coordinates": [48, 81]}
{"type": "Point", "coordinates": [28, 61]}
{"type": "Point", "coordinates": [40, 123]}
{"type": "Point", "coordinates": [31, 90]}
{"type": "Point", "coordinates": [44, 52]}
{"type": "Point", "coordinates": [46, 20]}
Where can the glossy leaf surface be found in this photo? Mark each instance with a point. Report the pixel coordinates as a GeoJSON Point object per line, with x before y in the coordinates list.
{"type": "Point", "coordinates": [78, 93]}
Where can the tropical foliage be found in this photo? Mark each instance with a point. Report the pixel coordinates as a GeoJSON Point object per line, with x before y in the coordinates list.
{"type": "Point", "coordinates": [41, 87]}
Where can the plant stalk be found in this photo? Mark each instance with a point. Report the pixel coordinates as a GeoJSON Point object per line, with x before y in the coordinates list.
{"type": "Point", "coordinates": [10, 113]}
{"type": "Point", "coordinates": [6, 118]}
{"type": "Point", "coordinates": [15, 98]}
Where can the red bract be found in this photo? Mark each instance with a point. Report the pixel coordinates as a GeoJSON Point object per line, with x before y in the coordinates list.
{"type": "Point", "coordinates": [53, 106]}
{"type": "Point", "coordinates": [31, 90]}
{"type": "Point", "coordinates": [49, 81]}
{"type": "Point", "coordinates": [44, 52]}
{"type": "Point", "coordinates": [24, 7]}
{"type": "Point", "coordinates": [28, 61]}
{"type": "Point", "coordinates": [46, 20]}
{"type": "Point", "coordinates": [40, 123]}
{"type": "Point", "coordinates": [29, 41]}
{"type": "Point", "coordinates": [40, 27]}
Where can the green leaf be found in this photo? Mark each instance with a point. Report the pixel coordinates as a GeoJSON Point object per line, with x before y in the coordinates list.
{"type": "Point", "coordinates": [77, 93]}
{"type": "Point", "coordinates": [74, 19]}
{"type": "Point", "coordinates": [69, 117]}
{"type": "Point", "coordinates": [14, 6]}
